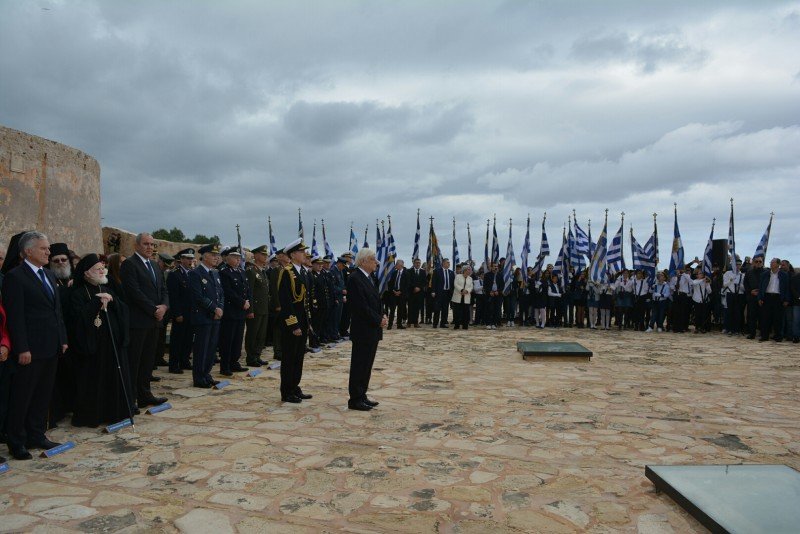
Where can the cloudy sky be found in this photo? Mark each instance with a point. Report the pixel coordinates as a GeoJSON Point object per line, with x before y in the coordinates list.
{"type": "Point", "coordinates": [208, 114]}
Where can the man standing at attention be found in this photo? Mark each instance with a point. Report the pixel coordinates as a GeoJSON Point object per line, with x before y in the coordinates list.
{"type": "Point", "coordinates": [366, 328]}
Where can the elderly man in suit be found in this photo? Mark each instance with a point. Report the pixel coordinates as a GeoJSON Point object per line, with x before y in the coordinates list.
{"type": "Point", "coordinates": [398, 294]}
{"type": "Point", "coordinates": [773, 298]}
{"type": "Point", "coordinates": [146, 295]}
{"type": "Point", "coordinates": [443, 279]}
{"type": "Point", "coordinates": [38, 338]}
{"type": "Point", "coordinates": [366, 328]}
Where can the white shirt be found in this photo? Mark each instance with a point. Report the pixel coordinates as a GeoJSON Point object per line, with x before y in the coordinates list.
{"type": "Point", "coordinates": [641, 287]}
{"type": "Point", "coordinates": [733, 283]}
{"type": "Point", "coordinates": [774, 285]}
{"type": "Point", "coordinates": [684, 283]}
{"type": "Point", "coordinates": [625, 285]}
{"type": "Point", "coordinates": [701, 290]}
{"type": "Point", "coordinates": [661, 291]}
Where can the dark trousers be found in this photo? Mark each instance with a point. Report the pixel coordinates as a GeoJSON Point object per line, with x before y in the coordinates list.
{"type": "Point", "coordinates": [680, 313]}
{"type": "Point", "coordinates": [6, 372]}
{"type": "Point", "coordinates": [31, 390]}
{"type": "Point", "coordinates": [700, 316]}
{"type": "Point", "coordinates": [398, 304]}
{"type": "Point", "coordinates": [334, 319]}
{"type": "Point", "coordinates": [639, 308]}
{"type": "Point", "coordinates": [657, 317]}
{"type": "Point", "coordinates": [255, 337]}
{"type": "Point", "coordinates": [492, 309]}
{"type": "Point", "coordinates": [161, 345]}
{"type": "Point", "coordinates": [344, 325]}
{"type": "Point", "coordinates": [180, 345]}
{"type": "Point", "coordinates": [414, 306]}
{"type": "Point", "coordinates": [270, 327]}
{"type": "Point", "coordinates": [733, 319]}
{"type": "Point", "coordinates": [293, 349]}
{"type": "Point", "coordinates": [771, 315]}
{"type": "Point", "coordinates": [441, 308]}
{"type": "Point", "coordinates": [231, 334]}
{"type": "Point", "coordinates": [141, 354]}
{"type": "Point", "coordinates": [205, 347]}
{"type": "Point", "coordinates": [753, 314]}
{"type": "Point", "coordinates": [461, 315]}
{"type": "Point", "coordinates": [430, 306]}
{"type": "Point", "coordinates": [362, 356]}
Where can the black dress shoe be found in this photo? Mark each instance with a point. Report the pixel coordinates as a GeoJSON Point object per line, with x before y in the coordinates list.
{"type": "Point", "coordinates": [176, 371]}
{"type": "Point", "coordinates": [751, 337]}
{"type": "Point", "coordinates": [215, 382]}
{"type": "Point", "coordinates": [292, 398]}
{"type": "Point", "coordinates": [2, 459]}
{"type": "Point", "coordinates": [226, 373]}
{"type": "Point", "coordinates": [152, 401]}
{"type": "Point", "coordinates": [369, 402]}
{"type": "Point", "coordinates": [239, 369]}
{"type": "Point", "coordinates": [45, 444]}
{"type": "Point", "coordinates": [360, 406]}
{"type": "Point", "coordinates": [303, 396]}
{"type": "Point", "coordinates": [136, 411]}
{"type": "Point", "coordinates": [187, 367]}
{"type": "Point", "coordinates": [202, 385]}
{"type": "Point", "coordinates": [155, 379]}
{"type": "Point", "coordinates": [19, 453]}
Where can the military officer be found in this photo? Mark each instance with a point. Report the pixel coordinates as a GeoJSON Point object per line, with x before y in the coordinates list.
{"type": "Point", "coordinates": [274, 302]}
{"type": "Point", "coordinates": [336, 276]}
{"type": "Point", "coordinates": [237, 305]}
{"type": "Point", "coordinates": [344, 326]}
{"type": "Point", "coordinates": [180, 300]}
{"type": "Point", "coordinates": [257, 319]}
{"type": "Point", "coordinates": [319, 302]}
{"type": "Point", "coordinates": [208, 303]}
{"type": "Point", "coordinates": [293, 321]}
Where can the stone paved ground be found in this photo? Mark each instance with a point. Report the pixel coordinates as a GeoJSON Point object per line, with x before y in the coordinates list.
{"type": "Point", "coordinates": [468, 438]}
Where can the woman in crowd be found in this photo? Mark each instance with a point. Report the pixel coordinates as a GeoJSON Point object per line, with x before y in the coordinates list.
{"type": "Point", "coordinates": [661, 296]}
{"type": "Point", "coordinates": [623, 290]}
{"type": "Point", "coordinates": [701, 295]}
{"type": "Point", "coordinates": [579, 298]}
{"type": "Point", "coordinates": [593, 292]}
{"type": "Point", "coordinates": [554, 304]}
{"type": "Point", "coordinates": [462, 291]}
{"type": "Point", "coordinates": [606, 300]}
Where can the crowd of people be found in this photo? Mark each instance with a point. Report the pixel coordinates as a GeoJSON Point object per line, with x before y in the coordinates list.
{"type": "Point", "coordinates": [81, 336]}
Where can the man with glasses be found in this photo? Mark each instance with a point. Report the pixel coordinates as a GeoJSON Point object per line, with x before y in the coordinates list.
{"type": "Point", "coordinates": [752, 283]}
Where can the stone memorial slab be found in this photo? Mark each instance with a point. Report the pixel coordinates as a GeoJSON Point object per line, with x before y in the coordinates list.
{"type": "Point", "coordinates": [734, 498]}
{"type": "Point", "coordinates": [553, 351]}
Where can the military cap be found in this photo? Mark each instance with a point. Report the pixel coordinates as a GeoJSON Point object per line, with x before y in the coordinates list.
{"type": "Point", "coordinates": [231, 251]}
{"type": "Point", "coordinates": [213, 248]}
{"type": "Point", "coordinates": [166, 258]}
{"type": "Point", "coordinates": [294, 246]}
{"type": "Point", "coordinates": [326, 259]}
{"type": "Point", "coordinates": [342, 259]}
{"type": "Point", "coordinates": [317, 259]}
{"type": "Point", "coordinates": [185, 253]}
{"type": "Point", "coordinates": [263, 249]}
{"type": "Point", "coordinates": [273, 256]}
{"type": "Point", "coordinates": [348, 254]}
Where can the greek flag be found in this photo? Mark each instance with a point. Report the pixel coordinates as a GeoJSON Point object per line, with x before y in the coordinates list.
{"type": "Point", "coordinates": [389, 257]}
{"type": "Point", "coordinates": [651, 247]}
{"type": "Point", "coordinates": [581, 241]}
{"type": "Point", "coordinates": [592, 244]}
{"type": "Point", "coordinates": [598, 269]}
{"type": "Point", "coordinates": [314, 252]}
{"type": "Point", "coordinates": [526, 250]}
{"type": "Point", "coordinates": [616, 262]}
{"type": "Point", "coordinates": [544, 248]}
{"type": "Point", "coordinates": [272, 248]}
{"type": "Point", "coordinates": [495, 243]}
{"type": "Point", "coordinates": [732, 244]}
{"type": "Point", "coordinates": [353, 242]}
{"type": "Point", "coordinates": [456, 257]}
{"type": "Point", "coordinates": [300, 233]}
{"type": "Point", "coordinates": [761, 249]}
{"type": "Point", "coordinates": [642, 259]}
{"type": "Point", "coordinates": [380, 250]}
{"type": "Point", "coordinates": [707, 255]}
{"type": "Point", "coordinates": [511, 263]}
{"type": "Point", "coordinates": [575, 256]}
{"type": "Point", "coordinates": [676, 258]}
{"type": "Point", "coordinates": [415, 254]}
{"type": "Point", "coordinates": [328, 250]}
{"type": "Point", "coordinates": [561, 267]}
{"type": "Point", "coordinates": [486, 258]}
{"type": "Point", "coordinates": [366, 231]}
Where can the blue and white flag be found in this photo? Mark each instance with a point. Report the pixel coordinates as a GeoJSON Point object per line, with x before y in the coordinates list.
{"type": "Point", "coordinates": [598, 270]}
{"type": "Point", "coordinates": [581, 241]}
{"type": "Point", "coordinates": [366, 232]}
{"type": "Point", "coordinates": [495, 243]}
{"type": "Point", "coordinates": [300, 232]}
{"type": "Point", "coordinates": [511, 263]}
{"type": "Point", "coordinates": [486, 258]}
{"type": "Point", "coordinates": [415, 254]}
{"type": "Point", "coordinates": [616, 262]}
{"type": "Point", "coordinates": [651, 247]}
{"type": "Point", "coordinates": [732, 244]}
{"type": "Point", "coordinates": [469, 246]}
{"type": "Point", "coordinates": [272, 248]}
{"type": "Point", "coordinates": [708, 255]}
{"type": "Point", "coordinates": [575, 255]}
{"type": "Point", "coordinates": [761, 249]}
{"type": "Point", "coordinates": [353, 242]}
{"type": "Point", "coordinates": [456, 256]}
{"type": "Point", "coordinates": [314, 252]}
{"type": "Point", "coordinates": [592, 244]}
{"type": "Point", "coordinates": [561, 267]}
{"type": "Point", "coordinates": [676, 258]}
{"type": "Point", "coordinates": [328, 250]}
{"type": "Point", "coordinates": [380, 249]}
{"type": "Point", "coordinates": [390, 255]}
{"type": "Point", "coordinates": [642, 259]}
{"type": "Point", "coordinates": [526, 250]}
{"type": "Point", "coordinates": [544, 248]}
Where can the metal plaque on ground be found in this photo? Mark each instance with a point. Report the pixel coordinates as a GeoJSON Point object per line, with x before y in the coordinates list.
{"type": "Point", "coordinates": [553, 351]}
{"type": "Point", "coordinates": [734, 498]}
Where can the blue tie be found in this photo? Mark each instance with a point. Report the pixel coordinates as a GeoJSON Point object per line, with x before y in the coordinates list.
{"type": "Point", "coordinates": [152, 272]}
{"type": "Point", "coordinates": [46, 285]}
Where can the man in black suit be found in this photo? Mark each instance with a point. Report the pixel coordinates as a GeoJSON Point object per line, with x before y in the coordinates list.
{"type": "Point", "coordinates": [417, 280]}
{"type": "Point", "coordinates": [443, 279]}
{"type": "Point", "coordinates": [398, 287]}
{"type": "Point", "coordinates": [38, 338]}
{"type": "Point", "coordinates": [366, 328]}
{"type": "Point", "coordinates": [146, 295]}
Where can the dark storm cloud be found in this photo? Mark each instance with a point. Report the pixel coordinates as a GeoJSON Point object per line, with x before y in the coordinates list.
{"type": "Point", "coordinates": [205, 114]}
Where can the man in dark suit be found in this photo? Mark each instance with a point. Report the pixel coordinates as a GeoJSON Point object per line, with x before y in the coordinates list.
{"type": "Point", "coordinates": [366, 328]}
{"type": "Point", "coordinates": [180, 300]}
{"type": "Point", "coordinates": [38, 337]}
{"type": "Point", "coordinates": [208, 303]}
{"type": "Point", "coordinates": [146, 295]}
{"type": "Point", "coordinates": [773, 298]}
{"type": "Point", "coordinates": [294, 321]}
{"type": "Point", "coordinates": [443, 279]}
{"type": "Point", "coordinates": [397, 287]}
{"type": "Point", "coordinates": [417, 280]}
{"type": "Point", "coordinates": [237, 306]}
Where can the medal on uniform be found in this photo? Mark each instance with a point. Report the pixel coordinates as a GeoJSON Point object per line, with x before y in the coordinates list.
{"type": "Point", "coordinates": [97, 321]}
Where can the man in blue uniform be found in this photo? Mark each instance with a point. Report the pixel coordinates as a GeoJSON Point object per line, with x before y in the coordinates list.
{"type": "Point", "coordinates": [237, 304]}
{"type": "Point", "coordinates": [180, 301]}
{"type": "Point", "coordinates": [207, 305]}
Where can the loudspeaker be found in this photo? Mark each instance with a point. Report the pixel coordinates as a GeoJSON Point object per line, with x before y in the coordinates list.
{"type": "Point", "coordinates": [719, 254]}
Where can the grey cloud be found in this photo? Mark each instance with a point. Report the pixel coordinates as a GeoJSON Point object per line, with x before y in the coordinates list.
{"type": "Point", "coordinates": [649, 51]}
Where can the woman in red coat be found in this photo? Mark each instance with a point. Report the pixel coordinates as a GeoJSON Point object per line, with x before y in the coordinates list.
{"type": "Point", "coordinates": [5, 349]}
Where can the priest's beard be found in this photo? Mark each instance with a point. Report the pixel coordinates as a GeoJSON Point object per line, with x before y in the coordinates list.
{"type": "Point", "coordinates": [97, 280]}
{"type": "Point", "coordinates": [62, 270]}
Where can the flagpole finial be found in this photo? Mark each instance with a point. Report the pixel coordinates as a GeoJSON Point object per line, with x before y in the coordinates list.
{"type": "Point", "coordinates": [544, 218]}
{"type": "Point", "coordinates": [731, 201]}
{"type": "Point", "coordinates": [771, 214]}
{"type": "Point", "coordinates": [655, 215]}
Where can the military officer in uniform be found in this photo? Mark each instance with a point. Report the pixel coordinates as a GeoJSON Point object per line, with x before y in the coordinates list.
{"type": "Point", "coordinates": [208, 303]}
{"type": "Point", "coordinates": [344, 326]}
{"type": "Point", "coordinates": [180, 301]}
{"type": "Point", "coordinates": [274, 302]}
{"type": "Point", "coordinates": [257, 319]}
{"type": "Point", "coordinates": [293, 321]}
{"type": "Point", "coordinates": [237, 305]}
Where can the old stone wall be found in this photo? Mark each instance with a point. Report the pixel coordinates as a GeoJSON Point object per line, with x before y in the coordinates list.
{"type": "Point", "coordinates": [122, 241]}
{"type": "Point", "coordinates": [49, 187]}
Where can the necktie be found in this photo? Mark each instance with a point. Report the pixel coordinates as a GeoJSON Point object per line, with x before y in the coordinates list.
{"type": "Point", "coordinates": [46, 285]}
{"type": "Point", "coordinates": [446, 279]}
{"type": "Point", "coordinates": [399, 274]}
{"type": "Point", "coordinates": [152, 272]}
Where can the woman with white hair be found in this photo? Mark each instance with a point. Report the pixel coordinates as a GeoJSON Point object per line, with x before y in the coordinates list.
{"type": "Point", "coordinates": [462, 290]}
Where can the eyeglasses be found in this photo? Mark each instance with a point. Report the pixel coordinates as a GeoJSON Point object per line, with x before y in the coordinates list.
{"type": "Point", "coordinates": [59, 260]}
